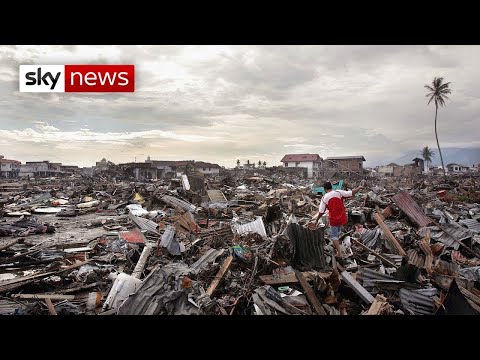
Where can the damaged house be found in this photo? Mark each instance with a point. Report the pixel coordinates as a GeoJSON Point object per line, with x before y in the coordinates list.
{"type": "Point", "coordinates": [9, 168]}
{"type": "Point", "coordinates": [345, 164]}
{"type": "Point", "coordinates": [312, 162]}
{"type": "Point", "coordinates": [207, 168]}
{"type": "Point", "coordinates": [457, 168]}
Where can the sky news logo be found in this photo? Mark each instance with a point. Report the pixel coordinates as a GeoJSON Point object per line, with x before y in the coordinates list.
{"type": "Point", "coordinates": [77, 78]}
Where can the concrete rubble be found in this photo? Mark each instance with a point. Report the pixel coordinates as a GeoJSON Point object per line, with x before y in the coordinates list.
{"type": "Point", "coordinates": [239, 245]}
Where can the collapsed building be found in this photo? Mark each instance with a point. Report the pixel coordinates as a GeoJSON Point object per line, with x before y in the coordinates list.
{"type": "Point", "coordinates": [237, 244]}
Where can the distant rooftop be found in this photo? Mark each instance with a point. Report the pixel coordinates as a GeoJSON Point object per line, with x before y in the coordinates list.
{"type": "Point", "coordinates": [300, 157]}
{"type": "Point", "coordinates": [345, 157]}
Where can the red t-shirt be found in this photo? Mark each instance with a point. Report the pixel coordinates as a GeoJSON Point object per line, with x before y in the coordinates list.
{"type": "Point", "coordinates": [333, 201]}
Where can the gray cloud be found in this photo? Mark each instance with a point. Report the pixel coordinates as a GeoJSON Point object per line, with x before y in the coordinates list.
{"type": "Point", "coordinates": [223, 103]}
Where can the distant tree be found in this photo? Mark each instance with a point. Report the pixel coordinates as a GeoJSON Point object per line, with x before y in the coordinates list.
{"type": "Point", "coordinates": [264, 164]}
{"type": "Point", "coordinates": [438, 92]}
{"type": "Point", "coordinates": [189, 169]}
{"type": "Point", "coordinates": [238, 163]}
{"type": "Point", "coordinates": [259, 163]}
{"type": "Point", "coordinates": [248, 162]}
{"type": "Point", "coordinates": [427, 155]}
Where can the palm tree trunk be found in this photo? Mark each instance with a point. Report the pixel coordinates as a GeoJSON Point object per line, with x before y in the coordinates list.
{"type": "Point", "coordinates": [436, 136]}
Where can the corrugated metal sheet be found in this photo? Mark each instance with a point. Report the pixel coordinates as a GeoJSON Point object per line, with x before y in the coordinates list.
{"type": "Point", "coordinates": [308, 245]}
{"type": "Point", "coordinates": [458, 232]}
{"type": "Point", "coordinates": [144, 224]}
{"type": "Point", "coordinates": [161, 293]}
{"type": "Point", "coordinates": [251, 227]}
{"type": "Point", "coordinates": [396, 259]}
{"type": "Point", "coordinates": [415, 258]}
{"type": "Point", "coordinates": [420, 301]}
{"type": "Point", "coordinates": [209, 256]}
{"type": "Point", "coordinates": [168, 241]}
{"type": "Point", "coordinates": [471, 224]}
{"type": "Point", "coordinates": [216, 195]}
{"type": "Point", "coordinates": [182, 204]}
{"type": "Point", "coordinates": [369, 278]}
{"type": "Point", "coordinates": [408, 205]}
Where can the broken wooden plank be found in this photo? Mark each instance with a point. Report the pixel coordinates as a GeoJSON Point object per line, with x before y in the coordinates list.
{"type": "Point", "coordinates": [44, 296]}
{"type": "Point", "coordinates": [425, 246]}
{"type": "Point", "coordinates": [383, 259]}
{"type": "Point", "coordinates": [51, 309]}
{"type": "Point", "coordinates": [359, 289]}
{"type": "Point", "coordinates": [219, 276]}
{"type": "Point", "coordinates": [377, 306]}
{"type": "Point", "coordinates": [14, 283]}
{"type": "Point", "coordinates": [137, 272]}
{"type": "Point", "coordinates": [290, 278]}
{"type": "Point", "coordinates": [312, 298]}
{"type": "Point", "coordinates": [391, 239]}
{"type": "Point", "coordinates": [10, 243]}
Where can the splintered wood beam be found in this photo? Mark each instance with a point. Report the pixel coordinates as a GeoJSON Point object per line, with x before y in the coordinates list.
{"type": "Point", "coordinates": [10, 243]}
{"type": "Point", "coordinates": [312, 298]}
{"type": "Point", "coordinates": [219, 276]}
{"type": "Point", "coordinates": [359, 289]}
{"type": "Point", "coordinates": [378, 303]}
{"type": "Point", "coordinates": [391, 239]}
{"type": "Point", "coordinates": [425, 246]}
{"type": "Point", "coordinates": [51, 308]}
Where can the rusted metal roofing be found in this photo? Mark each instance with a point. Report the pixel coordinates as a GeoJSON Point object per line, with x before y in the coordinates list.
{"type": "Point", "coordinates": [300, 157]}
{"type": "Point", "coordinates": [419, 301]}
{"type": "Point", "coordinates": [409, 206]}
{"type": "Point", "coordinates": [309, 246]}
{"type": "Point", "coordinates": [251, 227]}
{"type": "Point", "coordinates": [134, 236]}
{"type": "Point", "coordinates": [415, 258]}
{"type": "Point", "coordinates": [471, 224]}
{"type": "Point", "coordinates": [144, 224]}
{"type": "Point", "coordinates": [171, 200]}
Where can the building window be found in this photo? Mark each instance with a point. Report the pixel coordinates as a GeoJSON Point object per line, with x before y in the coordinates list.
{"type": "Point", "coordinates": [297, 163]}
{"type": "Point", "coordinates": [204, 169]}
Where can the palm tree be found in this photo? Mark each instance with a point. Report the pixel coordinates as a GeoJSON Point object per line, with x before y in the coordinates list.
{"type": "Point", "coordinates": [238, 163]}
{"type": "Point", "coordinates": [259, 163]}
{"type": "Point", "coordinates": [427, 155]}
{"type": "Point", "coordinates": [438, 92]}
{"type": "Point", "coordinates": [264, 164]}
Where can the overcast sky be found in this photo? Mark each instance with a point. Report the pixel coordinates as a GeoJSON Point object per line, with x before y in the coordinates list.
{"type": "Point", "coordinates": [223, 103]}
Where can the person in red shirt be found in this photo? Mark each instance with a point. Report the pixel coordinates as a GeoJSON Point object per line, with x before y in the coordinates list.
{"type": "Point", "coordinates": [337, 216]}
